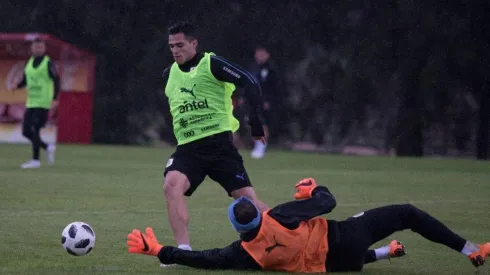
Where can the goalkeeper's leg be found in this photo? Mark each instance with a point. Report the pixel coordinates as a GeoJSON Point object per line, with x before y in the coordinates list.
{"type": "Point", "coordinates": [384, 221]}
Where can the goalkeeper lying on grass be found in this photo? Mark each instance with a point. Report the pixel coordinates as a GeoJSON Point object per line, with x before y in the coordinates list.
{"type": "Point", "coordinates": [291, 237]}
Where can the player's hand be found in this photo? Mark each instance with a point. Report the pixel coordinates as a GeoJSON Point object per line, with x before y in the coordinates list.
{"type": "Point", "coordinates": [304, 188]}
{"type": "Point", "coordinates": [241, 101]}
{"type": "Point", "coordinates": [267, 106]}
{"type": "Point", "coordinates": [54, 105]}
{"type": "Point", "coordinates": [143, 244]}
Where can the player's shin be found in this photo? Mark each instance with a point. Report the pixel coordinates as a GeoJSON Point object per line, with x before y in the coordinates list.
{"type": "Point", "coordinates": [178, 216]}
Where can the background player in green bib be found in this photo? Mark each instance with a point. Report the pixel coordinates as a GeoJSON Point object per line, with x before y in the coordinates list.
{"type": "Point", "coordinates": [199, 88]}
{"type": "Point", "coordinates": [42, 82]}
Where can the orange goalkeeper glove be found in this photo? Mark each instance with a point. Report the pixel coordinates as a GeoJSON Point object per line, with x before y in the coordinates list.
{"type": "Point", "coordinates": [304, 188]}
{"type": "Point", "coordinates": [143, 244]}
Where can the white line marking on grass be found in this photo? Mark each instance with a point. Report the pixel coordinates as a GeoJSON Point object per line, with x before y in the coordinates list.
{"type": "Point", "coordinates": [24, 212]}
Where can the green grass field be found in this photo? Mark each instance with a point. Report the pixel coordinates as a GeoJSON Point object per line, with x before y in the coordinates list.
{"type": "Point", "coordinates": [116, 189]}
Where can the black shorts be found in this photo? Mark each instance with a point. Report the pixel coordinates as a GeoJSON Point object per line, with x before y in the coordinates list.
{"type": "Point", "coordinates": [215, 156]}
{"type": "Point", "coordinates": [35, 118]}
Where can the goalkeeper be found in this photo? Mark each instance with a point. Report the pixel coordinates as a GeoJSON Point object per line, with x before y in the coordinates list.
{"type": "Point", "coordinates": [291, 237]}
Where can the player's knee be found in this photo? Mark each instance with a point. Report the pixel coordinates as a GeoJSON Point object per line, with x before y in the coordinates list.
{"type": "Point", "coordinates": [250, 193]}
{"type": "Point", "coordinates": [176, 184]}
{"type": "Point", "coordinates": [172, 189]}
{"type": "Point", "coordinates": [26, 132]}
{"type": "Point", "coordinates": [409, 208]}
{"type": "Point", "coordinates": [409, 213]}
{"type": "Point", "coordinates": [244, 192]}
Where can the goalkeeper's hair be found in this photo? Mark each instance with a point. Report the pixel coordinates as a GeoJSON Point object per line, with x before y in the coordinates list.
{"type": "Point", "coordinates": [184, 27]}
{"type": "Point", "coordinates": [245, 212]}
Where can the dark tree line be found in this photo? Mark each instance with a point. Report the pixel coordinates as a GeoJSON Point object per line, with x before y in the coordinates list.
{"type": "Point", "coordinates": [408, 76]}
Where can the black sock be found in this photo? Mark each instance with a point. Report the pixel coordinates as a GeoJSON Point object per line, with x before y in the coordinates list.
{"type": "Point", "coordinates": [37, 144]}
{"type": "Point", "coordinates": [369, 257]}
{"type": "Point", "coordinates": [35, 150]}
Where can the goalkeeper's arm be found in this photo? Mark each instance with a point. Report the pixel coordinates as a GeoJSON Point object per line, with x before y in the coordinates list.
{"type": "Point", "coordinates": [291, 213]}
{"type": "Point", "coordinates": [229, 257]}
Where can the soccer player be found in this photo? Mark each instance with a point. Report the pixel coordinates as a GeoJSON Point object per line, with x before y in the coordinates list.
{"type": "Point", "coordinates": [199, 87]}
{"type": "Point", "coordinates": [291, 237]}
{"type": "Point", "coordinates": [266, 75]}
{"type": "Point", "coordinates": [42, 82]}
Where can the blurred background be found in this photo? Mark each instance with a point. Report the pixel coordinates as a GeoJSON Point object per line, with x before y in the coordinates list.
{"type": "Point", "coordinates": [407, 78]}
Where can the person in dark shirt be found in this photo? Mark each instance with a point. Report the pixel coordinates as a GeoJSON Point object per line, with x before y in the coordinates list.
{"type": "Point", "coordinates": [43, 84]}
{"type": "Point", "coordinates": [289, 237]}
{"type": "Point", "coordinates": [266, 75]}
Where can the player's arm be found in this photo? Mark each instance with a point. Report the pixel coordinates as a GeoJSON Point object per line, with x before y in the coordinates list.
{"type": "Point", "coordinates": [229, 257]}
{"type": "Point", "coordinates": [290, 214]}
{"type": "Point", "coordinates": [226, 71]}
{"type": "Point", "coordinates": [165, 76]}
{"type": "Point", "coordinates": [53, 74]}
{"type": "Point", "coordinates": [167, 114]}
{"type": "Point", "coordinates": [22, 83]}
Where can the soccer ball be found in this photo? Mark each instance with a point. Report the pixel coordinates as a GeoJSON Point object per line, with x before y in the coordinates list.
{"type": "Point", "coordinates": [78, 238]}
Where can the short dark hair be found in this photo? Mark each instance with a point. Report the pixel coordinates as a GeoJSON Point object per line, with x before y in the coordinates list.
{"type": "Point", "coordinates": [244, 212]}
{"type": "Point", "coordinates": [260, 47]}
{"type": "Point", "coordinates": [264, 47]}
{"type": "Point", "coordinates": [183, 27]}
{"type": "Point", "coordinates": [37, 40]}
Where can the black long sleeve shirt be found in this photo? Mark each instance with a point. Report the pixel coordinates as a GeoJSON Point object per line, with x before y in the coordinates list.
{"type": "Point", "coordinates": [226, 71]}
{"type": "Point", "coordinates": [53, 74]}
{"type": "Point", "coordinates": [233, 256]}
{"type": "Point", "coordinates": [266, 75]}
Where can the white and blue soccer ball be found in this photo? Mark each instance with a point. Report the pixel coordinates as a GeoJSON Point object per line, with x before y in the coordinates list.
{"type": "Point", "coordinates": [78, 238]}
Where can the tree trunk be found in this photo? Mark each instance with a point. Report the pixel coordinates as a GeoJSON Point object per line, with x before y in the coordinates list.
{"type": "Point", "coordinates": [481, 83]}
{"type": "Point", "coordinates": [410, 125]}
{"type": "Point", "coordinates": [483, 123]}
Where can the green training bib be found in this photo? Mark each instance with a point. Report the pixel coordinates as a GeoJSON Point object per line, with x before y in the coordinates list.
{"type": "Point", "coordinates": [199, 103]}
{"type": "Point", "coordinates": [40, 86]}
